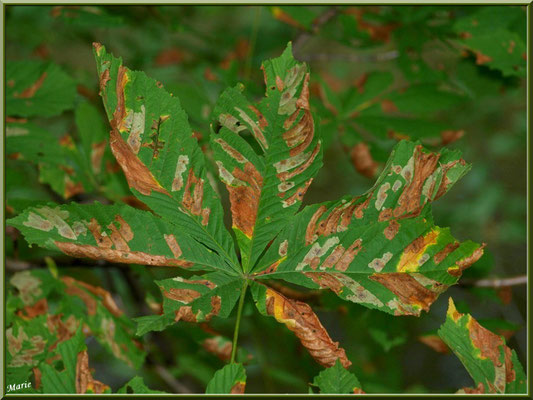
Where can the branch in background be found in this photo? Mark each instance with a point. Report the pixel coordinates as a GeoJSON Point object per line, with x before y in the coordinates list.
{"type": "Point", "coordinates": [18, 265]}
{"type": "Point", "coordinates": [317, 23]}
{"type": "Point", "coordinates": [496, 282]}
{"type": "Point", "coordinates": [172, 382]}
{"type": "Point", "coordinates": [351, 57]}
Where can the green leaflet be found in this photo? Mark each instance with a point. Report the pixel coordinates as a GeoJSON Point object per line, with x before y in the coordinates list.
{"type": "Point", "coordinates": [230, 379]}
{"type": "Point", "coordinates": [71, 373]}
{"type": "Point", "coordinates": [116, 233]}
{"type": "Point", "coordinates": [37, 89]}
{"type": "Point", "coordinates": [380, 249]}
{"type": "Point", "coordinates": [150, 323]}
{"type": "Point", "coordinates": [136, 386]}
{"type": "Point", "coordinates": [337, 380]}
{"type": "Point", "coordinates": [64, 381]}
{"type": "Point", "coordinates": [493, 35]}
{"type": "Point", "coordinates": [153, 143]}
{"type": "Point", "coordinates": [300, 318]}
{"type": "Point", "coordinates": [493, 366]}
{"type": "Point", "coordinates": [200, 298]}
{"type": "Point", "coordinates": [59, 161]}
{"type": "Point", "coordinates": [197, 299]}
{"type": "Point", "coordinates": [266, 189]}
{"type": "Point", "coordinates": [70, 168]}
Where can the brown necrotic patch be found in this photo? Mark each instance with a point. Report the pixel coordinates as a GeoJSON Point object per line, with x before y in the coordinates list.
{"type": "Point", "coordinates": [310, 233]}
{"type": "Point", "coordinates": [173, 245]}
{"type": "Point", "coordinates": [414, 254]}
{"type": "Point", "coordinates": [32, 311]}
{"type": "Point", "coordinates": [435, 342]}
{"type": "Point", "coordinates": [263, 123]}
{"type": "Point", "coordinates": [341, 258]}
{"type": "Point", "coordinates": [238, 388]}
{"type": "Point", "coordinates": [218, 346]}
{"type": "Point", "coordinates": [301, 319]}
{"type": "Point", "coordinates": [22, 348]}
{"type": "Point", "coordinates": [115, 248]}
{"type": "Point", "coordinates": [182, 295]}
{"type": "Point", "coordinates": [117, 256]}
{"type": "Point", "coordinates": [193, 196]}
{"type": "Point", "coordinates": [337, 219]}
{"type": "Point", "coordinates": [187, 296]}
{"type": "Point", "coordinates": [84, 379]}
{"type": "Point", "coordinates": [181, 167]}
{"type": "Point", "coordinates": [491, 346]}
{"type": "Point", "coordinates": [30, 91]}
{"type": "Point", "coordinates": [326, 281]}
{"type": "Point", "coordinates": [392, 229]}
{"type": "Point", "coordinates": [298, 195]}
{"type": "Point", "coordinates": [86, 292]}
{"type": "Point", "coordinates": [137, 174]}
{"type": "Point", "coordinates": [97, 153]}
{"type": "Point", "coordinates": [361, 207]}
{"type": "Point", "coordinates": [441, 255]}
{"type": "Point", "coordinates": [186, 314]}
{"type": "Point", "coordinates": [362, 160]}
{"type": "Point", "coordinates": [295, 165]}
{"type": "Point", "coordinates": [445, 182]}
{"type": "Point", "coordinates": [62, 330]}
{"type": "Point", "coordinates": [471, 259]}
{"type": "Point", "coordinates": [233, 153]}
{"type": "Point", "coordinates": [104, 78]}
{"type": "Point", "coordinates": [408, 290]}
{"type": "Point", "coordinates": [409, 204]}
{"type": "Point", "coordinates": [244, 197]}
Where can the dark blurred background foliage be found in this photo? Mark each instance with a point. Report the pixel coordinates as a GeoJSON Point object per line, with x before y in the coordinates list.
{"type": "Point", "coordinates": [445, 75]}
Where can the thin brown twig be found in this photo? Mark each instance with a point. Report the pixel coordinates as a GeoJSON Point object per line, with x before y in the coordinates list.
{"type": "Point", "coordinates": [317, 24]}
{"type": "Point", "coordinates": [351, 57]}
{"type": "Point", "coordinates": [18, 265]}
{"type": "Point", "coordinates": [172, 382]}
{"type": "Point", "coordinates": [496, 282]}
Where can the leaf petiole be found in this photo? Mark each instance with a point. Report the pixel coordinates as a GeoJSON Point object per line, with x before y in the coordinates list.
{"type": "Point", "coordinates": [238, 322]}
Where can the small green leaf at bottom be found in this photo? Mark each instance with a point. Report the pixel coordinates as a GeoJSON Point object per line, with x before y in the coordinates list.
{"type": "Point", "coordinates": [136, 385]}
{"type": "Point", "coordinates": [230, 379]}
{"type": "Point", "coordinates": [337, 380]}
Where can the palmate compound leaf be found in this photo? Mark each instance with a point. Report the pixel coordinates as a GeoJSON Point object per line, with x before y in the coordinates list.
{"type": "Point", "coordinates": [265, 190]}
{"type": "Point", "coordinates": [493, 366]}
{"type": "Point", "coordinates": [46, 310]}
{"type": "Point", "coordinates": [45, 338]}
{"type": "Point", "coordinates": [380, 249]}
{"type": "Point", "coordinates": [229, 379]}
{"type": "Point", "coordinates": [165, 168]}
{"type": "Point", "coordinates": [336, 380]}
